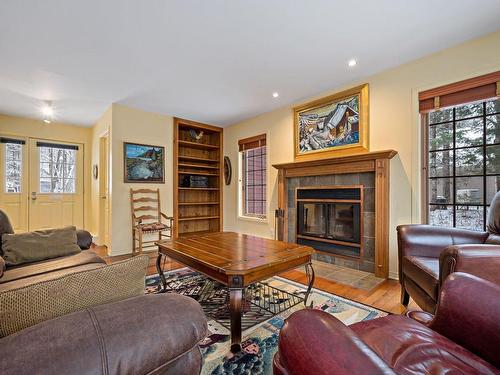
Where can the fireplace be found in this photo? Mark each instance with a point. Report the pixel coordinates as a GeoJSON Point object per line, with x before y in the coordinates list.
{"type": "Point", "coordinates": [330, 219]}
{"type": "Point", "coordinates": [336, 243]}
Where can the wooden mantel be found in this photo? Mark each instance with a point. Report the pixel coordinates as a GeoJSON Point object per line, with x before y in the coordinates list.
{"type": "Point", "coordinates": [377, 162]}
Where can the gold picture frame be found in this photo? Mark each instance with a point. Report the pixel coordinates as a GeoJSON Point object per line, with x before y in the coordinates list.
{"type": "Point", "coordinates": [336, 125]}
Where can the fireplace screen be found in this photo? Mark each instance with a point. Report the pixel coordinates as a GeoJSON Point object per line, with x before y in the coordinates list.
{"type": "Point", "coordinates": [335, 221]}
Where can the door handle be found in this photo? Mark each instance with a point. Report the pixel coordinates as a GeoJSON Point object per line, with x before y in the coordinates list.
{"type": "Point", "coordinates": [33, 195]}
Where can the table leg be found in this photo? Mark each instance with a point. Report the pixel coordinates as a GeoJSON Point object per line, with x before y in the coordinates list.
{"type": "Point", "coordinates": [310, 280]}
{"type": "Point", "coordinates": [235, 305]}
{"type": "Point", "coordinates": [160, 272]}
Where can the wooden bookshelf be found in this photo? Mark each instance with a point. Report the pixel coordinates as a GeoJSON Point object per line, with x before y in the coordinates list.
{"type": "Point", "coordinates": [197, 210]}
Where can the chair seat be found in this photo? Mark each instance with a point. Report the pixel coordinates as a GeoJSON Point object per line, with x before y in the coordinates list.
{"type": "Point", "coordinates": [152, 227]}
{"type": "Point", "coordinates": [423, 271]}
{"type": "Point", "coordinates": [412, 348]}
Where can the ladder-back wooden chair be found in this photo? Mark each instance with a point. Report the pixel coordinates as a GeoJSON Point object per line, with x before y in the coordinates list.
{"type": "Point", "coordinates": [147, 218]}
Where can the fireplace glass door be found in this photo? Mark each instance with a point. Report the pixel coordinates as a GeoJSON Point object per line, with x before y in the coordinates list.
{"type": "Point", "coordinates": [343, 221]}
{"type": "Point", "coordinates": [313, 219]}
{"type": "Point", "coordinates": [336, 221]}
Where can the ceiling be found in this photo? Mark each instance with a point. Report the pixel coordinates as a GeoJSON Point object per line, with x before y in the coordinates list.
{"type": "Point", "coordinates": [216, 61]}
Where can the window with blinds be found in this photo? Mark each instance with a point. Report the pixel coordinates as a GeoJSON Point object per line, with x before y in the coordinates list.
{"type": "Point", "coordinates": [253, 186]}
{"type": "Point", "coordinates": [461, 152]}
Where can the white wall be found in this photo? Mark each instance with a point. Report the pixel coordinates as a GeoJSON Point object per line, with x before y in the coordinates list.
{"type": "Point", "coordinates": [394, 124]}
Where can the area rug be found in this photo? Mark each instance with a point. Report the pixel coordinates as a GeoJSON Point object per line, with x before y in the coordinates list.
{"type": "Point", "coordinates": [259, 343]}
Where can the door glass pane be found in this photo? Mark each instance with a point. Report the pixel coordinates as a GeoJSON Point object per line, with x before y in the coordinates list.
{"type": "Point", "coordinates": [469, 133]}
{"type": "Point", "coordinates": [469, 190]}
{"type": "Point", "coordinates": [13, 167]}
{"type": "Point", "coordinates": [469, 161]}
{"type": "Point", "coordinates": [441, 191]}
{"type": "Point", "coordinates": [57, 170]}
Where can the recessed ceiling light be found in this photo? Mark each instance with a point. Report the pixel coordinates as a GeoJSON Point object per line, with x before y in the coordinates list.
{"type": "Point", "coordinates": [352, 62]}
{"type": "Point", "coordinates": [48, 112]}
{"type": "Point", "coordinates": [275, 94]}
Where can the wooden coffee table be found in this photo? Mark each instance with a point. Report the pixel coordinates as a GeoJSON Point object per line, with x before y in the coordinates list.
{"type": "Point", "coordinates": [236, 260]}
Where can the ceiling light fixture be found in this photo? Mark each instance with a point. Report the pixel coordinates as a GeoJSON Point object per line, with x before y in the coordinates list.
{"type": "Point", "coordinates": [275, 94]}
{"type": "Point", "coordinates": [352, 63]}
{"type": "Point", "coordinates": [48, 112]}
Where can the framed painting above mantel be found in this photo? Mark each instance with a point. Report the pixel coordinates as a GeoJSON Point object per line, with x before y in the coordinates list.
{"type": "Point", "coordinates": [337, 125]}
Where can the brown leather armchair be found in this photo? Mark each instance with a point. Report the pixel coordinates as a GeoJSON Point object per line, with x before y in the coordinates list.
{"type": "Point", "coordinates": [462, 338]}
{"type": "Point", "coordinates": [428, 254]}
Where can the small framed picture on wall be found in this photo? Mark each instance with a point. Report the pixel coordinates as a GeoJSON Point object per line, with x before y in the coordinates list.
{"type": "Point", "coordinates": [143, 163]}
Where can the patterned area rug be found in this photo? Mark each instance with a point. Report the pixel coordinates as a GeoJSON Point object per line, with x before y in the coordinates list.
{"type": "Point", "coordinates": [260, 342]}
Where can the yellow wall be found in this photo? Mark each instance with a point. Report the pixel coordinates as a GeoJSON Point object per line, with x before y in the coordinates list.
{"type": "Point", "coordinates": [26, 127]}
{"type": "Point", "coordinates": [136, 126]}
{"type": "Point", "coordinates": [394, 124]}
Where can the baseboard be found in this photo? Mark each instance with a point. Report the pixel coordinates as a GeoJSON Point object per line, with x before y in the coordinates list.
{"type": "Point", "coordinates": [393, 275]}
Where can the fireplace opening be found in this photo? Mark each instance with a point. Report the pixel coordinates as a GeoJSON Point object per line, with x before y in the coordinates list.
{"type": "Point", "coordinates": [330, 219]}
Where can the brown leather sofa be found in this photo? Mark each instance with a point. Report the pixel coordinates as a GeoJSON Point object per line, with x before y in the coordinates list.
{"type": "Point", "coordinates": [462, 338]}
{"type": "Point", "coordinates": [428, 254]}
{"type": "Point", "coordinates": [150, 334]}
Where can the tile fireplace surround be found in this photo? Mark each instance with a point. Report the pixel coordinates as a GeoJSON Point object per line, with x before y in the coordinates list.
{"type": "Point", "coordinates": [371, 170]}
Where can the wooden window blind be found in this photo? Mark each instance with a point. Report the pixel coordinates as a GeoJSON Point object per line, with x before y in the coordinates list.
{"type": "Point", "coordinates": [252, 142]}
{"type": "Point", "coordinates": [473, 89]}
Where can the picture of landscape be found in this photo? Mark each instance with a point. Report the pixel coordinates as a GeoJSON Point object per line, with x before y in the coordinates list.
{"type": "Point", "coordinates": [144, 163]}
{"type": "Point", "coordinates": [331, 125]}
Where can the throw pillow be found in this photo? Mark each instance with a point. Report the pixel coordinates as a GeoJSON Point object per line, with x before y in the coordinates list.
{"type": "Point", "coordinates": [5, 227]}
{"type": "Point", "coordinates": [39, 245]}
{"type": "Point", "coordinates": [29, 305]}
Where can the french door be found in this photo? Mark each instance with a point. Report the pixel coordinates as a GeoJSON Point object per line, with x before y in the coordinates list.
{"type": "Point", "coordinates": [42, 183]}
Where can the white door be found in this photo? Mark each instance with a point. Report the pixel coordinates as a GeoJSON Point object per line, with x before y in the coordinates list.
{"type": "Point", "coordinates": [55, 184]}
{"type": "Point", "coordinates": [14, 181]}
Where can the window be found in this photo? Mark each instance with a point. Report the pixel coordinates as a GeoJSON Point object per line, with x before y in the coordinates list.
{"type": "Point", "coordinates": [57, 168]}
{"type": "Point", "coordinates": [13, 164]}
{"type": "Point", "coordinates": [253, 202]}
{"type": "Point", "coordinates": [463, 163]}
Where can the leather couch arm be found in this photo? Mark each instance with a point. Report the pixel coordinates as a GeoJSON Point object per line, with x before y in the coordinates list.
{"type": "Point", "coordinates": [313, 342]}
{"type": "Point", "coordinates": [480, 260]}
{"type": "Point", "coordinates": [142, 335]}
{"type": "Point", "coordinates": [430, 241]}
{"type": "Point", "coordinates": [467, 315]}
{"type": "Point", "coordinates": [84, 239]}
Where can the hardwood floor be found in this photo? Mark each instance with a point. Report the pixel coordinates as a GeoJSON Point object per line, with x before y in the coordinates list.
{"type": "Point", "coordinates": [384, 296]}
